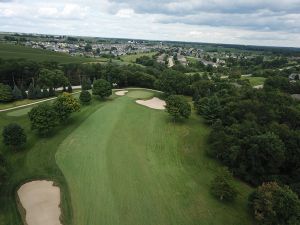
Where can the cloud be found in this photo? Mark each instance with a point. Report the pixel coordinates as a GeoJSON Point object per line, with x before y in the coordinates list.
{"type": "Point", "coordinates": [268, 22]}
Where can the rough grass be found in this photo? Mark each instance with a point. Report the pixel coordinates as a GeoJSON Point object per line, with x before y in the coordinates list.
{"type": "Point", "coordinates": [10, 51]}
{"type": "Point", "coordinates": [20, 112]}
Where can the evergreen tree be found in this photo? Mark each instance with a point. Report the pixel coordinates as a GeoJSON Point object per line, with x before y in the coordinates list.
{"type": "Point", "coordinates": [45, 93]}
{"type": "Point", "coordinates": [85, 97]}
{"type": "Point", "coordinates": [5, 93]}
{"type": "Point", "coordinates": [31, 92]}
{"type": "Point", "coordinates": [38, 92]}
{"type": "Point", "coordinates": [17, 94]}
{"type": "Point", "coordinates": [51, 92]}
{"type": "Point", "coordinates": [23, 91]}
{"type": "Point", "coordinates": [70, 90]}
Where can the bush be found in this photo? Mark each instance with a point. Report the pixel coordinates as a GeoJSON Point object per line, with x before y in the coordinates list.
{"type": "Point", "coordinates": [102, 88]}
{"type": "Point", "coordinates": [85, 97]}
{"type": "Point", "coordinates": [5, 93]}
{"type": "Point", "coordinates": [64, 105]}
{"type": "Point", "coordinates": [14, 135]}
{"type": "Point", "coordinates": [178, 107]}
{"type": "Point", "coordinates": [222, 186]}
{"type": "Point", "coordinates": [43, 118]}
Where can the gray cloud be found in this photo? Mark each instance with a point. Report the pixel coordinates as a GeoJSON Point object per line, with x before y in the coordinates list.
{"type": "Point", "coordinates": [263, 22]}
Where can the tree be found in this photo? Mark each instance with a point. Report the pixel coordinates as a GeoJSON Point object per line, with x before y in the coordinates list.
{"type": "Point", "coordinates": [222, 186]}
{"type": "Point", "coordinates": [273, 204]}
{"type": "Point", "coordinates": [64, 105]}
{"type": "Point", "coordinates": [277, 82]}
{"type": "Point", "coordinates": [14, 135]}
{"type": "Point", "coordinates": [178, 107]}
{"type": "Point", "coordinates": [85, 97]}
{"type": "Point", "coordinates": [52, 78]}
{"type": "Point", "coordinates": [88, 47]}
{"type": "Point", "coordinates": [43, 118]}
{"type": "Point", "coordinates": [23, 91]}
{"type": "Point", "coordinates": [31, 92]}
{"type": "Point", "coordinates": [51, 92]}
{"type": "Point", "coordinates": [102, 88]}
{"type": "Point", "coordinates": [38, 92]}
{"type": "Point", "coordinates": [17, 94]}
{"type": "Point", "coordinates": [70, 90]}
{"type": "Point", "coordinates": [209, 107]}
{"type": "Point", "coordinates": [3, 171]}
{"type": "Point", "coordinates": [45, 93]}
{"type": "Point", "coordinates": [5, 93]}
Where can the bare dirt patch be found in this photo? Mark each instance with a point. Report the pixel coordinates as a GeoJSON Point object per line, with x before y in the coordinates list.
{"type": "Point", "coordinates": [121, 93]}
{"type": "Point", "coordinates": [41, 200]}
{"type": "Point", "coordinates": [154, 103]}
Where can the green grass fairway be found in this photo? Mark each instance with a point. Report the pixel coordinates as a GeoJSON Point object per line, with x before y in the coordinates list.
{"type": "Point", "coordinates": [140, 94]}
{"type": "Point", "coordinates": [126, 164]}
{"type": "Point", "coordinates": [9, 51]}
{"type": "Point", "coordinates": [132, 58]}
{"type": "Point", "coordinates": [254, 81]}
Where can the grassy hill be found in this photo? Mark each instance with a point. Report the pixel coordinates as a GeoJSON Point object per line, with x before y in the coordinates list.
{"type": "Point", "coordinates": [10, 51]}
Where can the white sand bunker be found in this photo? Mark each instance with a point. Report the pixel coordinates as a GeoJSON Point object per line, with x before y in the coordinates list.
{"type": "Point", "coordinates": [121, 93]}
{"type": "Point", "coordinates": [154, 103]}
{"type": "Point", "coordinates": [41, 200]}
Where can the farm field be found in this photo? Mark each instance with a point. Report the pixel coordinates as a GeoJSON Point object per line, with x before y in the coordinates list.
{"type": "Point", "coordinates": [9, 51]}
{"type": "Point", "coordinates": [118, 162]}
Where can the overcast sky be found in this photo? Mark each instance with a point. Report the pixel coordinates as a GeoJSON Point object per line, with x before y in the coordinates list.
{"type": "Point", "coordinates": [256, 22]}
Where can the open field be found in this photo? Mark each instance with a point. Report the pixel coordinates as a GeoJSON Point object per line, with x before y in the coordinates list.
{"type": "Point", "coordinates": [118, 162]}
{"type": "Point", "coordinates": [9, 51]}
{"type": "Point", "coordinates": [132, 58]}
{"type": "Point", "coordinates": [254, 81]}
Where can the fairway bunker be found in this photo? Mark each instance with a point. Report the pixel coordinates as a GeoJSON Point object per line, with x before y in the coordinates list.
{"type": "Point", "coordinates": [41, 200]}
{"type": "Point", "coordinates": [121, 93]}
{"type": "Point", "coordinates": [154, 103]}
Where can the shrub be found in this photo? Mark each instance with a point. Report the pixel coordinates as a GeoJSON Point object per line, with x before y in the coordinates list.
{"type": "Point", "coordinates": [85, 97]}
{"type": "Point", "coordinates": [14, 135]}
{"type": "Point", "coordinates": [43, 118]}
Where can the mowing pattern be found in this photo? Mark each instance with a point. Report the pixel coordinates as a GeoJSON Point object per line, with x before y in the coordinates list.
{"type": "Point", "coordinates": [124, 165]}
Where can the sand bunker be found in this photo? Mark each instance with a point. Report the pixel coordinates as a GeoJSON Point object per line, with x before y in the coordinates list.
{"type": "Point", "coordinates": [41, 200]}
{"type": "Point", "coordinates": [154, 103]}
{"type": "Point", "coordinates": [121, 93]}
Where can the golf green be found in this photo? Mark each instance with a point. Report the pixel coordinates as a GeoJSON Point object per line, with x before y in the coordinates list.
{"type": "Point", "coordinates": [126, 164]}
